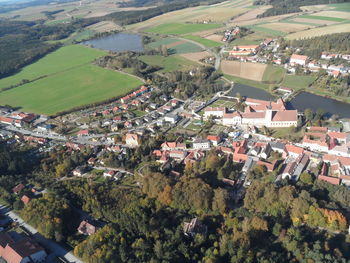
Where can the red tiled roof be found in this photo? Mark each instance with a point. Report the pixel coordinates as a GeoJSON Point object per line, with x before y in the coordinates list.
{"type": "Point", "coordinates": [25, 199]}
{"type": "Point", "coordinates": [329, 179]}
{"type": "Point", "coordinates": [213, 138]}
{"type": "Point", "coordinates": [18, 188]}
{"type": "Point", "coordinates": [288, 115]}
{"type": "Point", "coordinates": [299, 57]}
{"type": "Point", "coordinates": [293, 149]}
{"type": "Point", "coordinates": [253, 115]}
{"type": "Point", "coordinates": [83, 132]}
{"type": "Point", "coordinates": [337, 135]}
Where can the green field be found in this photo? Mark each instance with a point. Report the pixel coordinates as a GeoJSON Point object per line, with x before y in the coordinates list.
{"type": "Point", "coordinates": [248, 82]}
{"type": "Point", "coordinates": [340, 7]}
{"type": "Point", "coordinates": [169, 63]}
{"type": "Point", "coordinates": [267, 31]}
{"type": "Point", "coordinates": [326, 18]}
{"type": "Point", "coordinates": [68, 89]}
{"type": "Point", "coordinates": [60, 60]}
{"type": "Point", "coordinates": [186, 47]}
{"type": "Point", "coordinates": [297, 82]}
{"type": "Point", "coordinates": [181, 29]}
{"type": "Point", "coordinates": [273, 74]}
{"type": "Point", "coordinates": [206, 42]}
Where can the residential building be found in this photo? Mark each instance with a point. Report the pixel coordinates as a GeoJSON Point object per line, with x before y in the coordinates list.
{"type": "Point", "coordinates": [24, 250]}
{"type": "Point", "coordinates": [298, 59]}
{"type": "Point", "coordinates": [132, 140]}
{"type": "Point", "coordinates": [194, 227]}
{"type": "Point", "coordinates": [87, 228]}
{"type": "Point", "coordinates": [200, 143]}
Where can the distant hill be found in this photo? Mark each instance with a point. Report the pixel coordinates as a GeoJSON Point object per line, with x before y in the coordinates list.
{"type": "Point", "coordinates": [280, 7]}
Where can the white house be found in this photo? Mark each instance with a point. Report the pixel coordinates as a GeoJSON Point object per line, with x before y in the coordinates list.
{"type": "Point", "coordinates": [214, 111]}
{"type": "Point", "coordinates": [298, 59]}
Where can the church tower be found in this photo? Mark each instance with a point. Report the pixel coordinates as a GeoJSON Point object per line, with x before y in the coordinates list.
{"type": "Point", "coordinates": [268, 115]}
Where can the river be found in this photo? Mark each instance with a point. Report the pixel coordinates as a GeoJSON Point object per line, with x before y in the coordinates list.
{"type": "Point", "coordinates": [118, 42]}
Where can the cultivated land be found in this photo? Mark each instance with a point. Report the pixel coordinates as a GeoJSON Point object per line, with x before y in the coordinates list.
{"type": "Point", "coordinates": [180, 29]}
{"type": "Point", "coordinates": [175, 45]}
{"type": "Point", "coordinates": [63, 59]}
{"type": "Point", "coordinates": [197, 56]}
{"type": "Point", "coordinates": [68, 89]}
{"type": "Point", "coordinates": [287, 27]}
{"type": "Point", "coordinates": [170, 63]}
{"type": "Point", "coordinates": [340, 28]}
{"type": "Point", "coordinates": [216, 13]}
{"type": "Point", "coordinates": [69, 11]}
{"type": "Point", "coordinates": [252, 71]}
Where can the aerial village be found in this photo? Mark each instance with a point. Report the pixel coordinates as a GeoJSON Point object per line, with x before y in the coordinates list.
{"type": "Point", "coordinates": [239, 131]}
{"type": "Point", "coordinates": [267, 52]}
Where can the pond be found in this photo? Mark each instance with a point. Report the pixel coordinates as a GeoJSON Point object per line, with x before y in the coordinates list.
{"type": "Point", "coordinates": [306, 100]}
{"type": "Point", "coordinates": [301, 102]}
{"type": "Point", "coordinates": [118, 42]}
{"type": "Point", "coordinates": [250, 92]}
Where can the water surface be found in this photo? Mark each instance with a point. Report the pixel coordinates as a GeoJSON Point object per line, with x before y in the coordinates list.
{"type": "Point", "coordinates": [118, 42]}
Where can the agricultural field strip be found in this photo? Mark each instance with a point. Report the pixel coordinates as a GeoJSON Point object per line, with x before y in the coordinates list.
{"type": "Point", "coordinates": [327, 18]}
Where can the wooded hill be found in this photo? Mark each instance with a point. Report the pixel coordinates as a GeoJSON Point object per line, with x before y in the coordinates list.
{"type": "Point", "coordinates": [280, 7]}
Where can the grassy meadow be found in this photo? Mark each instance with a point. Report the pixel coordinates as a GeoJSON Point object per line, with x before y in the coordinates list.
{"type": "Point", "coordinates": [67, 80]}
{"type": "Point", "coordinates": [170, 63]}
{"type": "Point", "coordinates": [62, 59]}
{"type": "Point", "coordinates": [68, 89]}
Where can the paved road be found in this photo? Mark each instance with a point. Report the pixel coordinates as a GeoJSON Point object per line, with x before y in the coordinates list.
{"type": "Point", "coordinates": [51, 245]}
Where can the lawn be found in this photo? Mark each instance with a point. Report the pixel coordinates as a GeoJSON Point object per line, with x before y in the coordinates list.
{"type": "Point", "coordinates": [206, 42]}
{"type": "Point", "coordinates": [248, 82]}
{"type": "Point", "coordinates": [181, 29]}
{"type": "Point", "coordinates": [297, 82]}
{"type": "Point", "coordinates": [273, 74]}
{"type": "Point", "coordinates": [170, 63]}
{"type": "Point", "coordinates": [326, 18]}
{"type": "Point", "coordinates": [68, 89]}
{"type": "Point", "coordinates": [60, 60]}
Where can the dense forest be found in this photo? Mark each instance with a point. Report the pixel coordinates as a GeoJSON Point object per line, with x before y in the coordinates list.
{"type": "Point", "coordinates": [299, 222]}
{"type": "Point", "coordinates": [280, 7]}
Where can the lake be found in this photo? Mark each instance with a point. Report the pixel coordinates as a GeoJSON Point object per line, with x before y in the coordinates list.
{"type": "Point", "coordinates": [118, 42]}
{"type": "Point", "coordinates": [250, 92]}
{"type": "Point", "coordinates": [301, 102]}
{"type": "Point", "coordinates": [306, 100]}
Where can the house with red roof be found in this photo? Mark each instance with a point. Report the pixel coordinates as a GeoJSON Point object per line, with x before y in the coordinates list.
{"type": "Point", "coordinates": [25, 199]}
{"type": "Point", "coordinates": [132, 140]}
{"type": "Point", "coordinates": [83, 133]}
{"type": "Point", "coordinates": [330, 179]}
{"type": "Point", "coordinates": [6, 120]}
{"type": "Point", "coordinates": [87, 228]}
{"type": "Point", "coordinates": [173, 146]}
{"type": "Point", "coordinates": [20, 251]}
{"type": "Point", "coordinates": [214, 139]}
{"type": "Point", "coordinates": [292, 150]}
{"type": "Point", "coordinates": [298, 59]}
{"type": "Point", "coordinates": [18, 188]}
